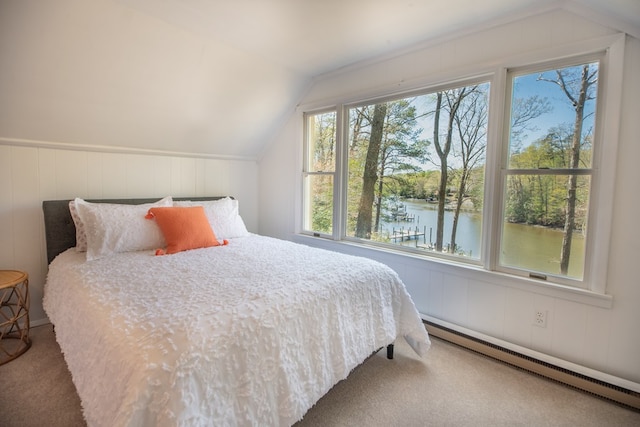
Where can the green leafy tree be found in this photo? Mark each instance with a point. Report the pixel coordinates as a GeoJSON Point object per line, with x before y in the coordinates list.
{"type": "Point", "coordinates": [369, 176]}
{"type": "Point", "coordinates": [396, 147]}
{"type": "Point", "coordinates": [401, 152]}
{"type": "Point", "coordinates": [322, 159]}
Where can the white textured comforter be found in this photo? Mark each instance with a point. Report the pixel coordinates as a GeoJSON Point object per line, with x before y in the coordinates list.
{"type": "Point", "coordinates": [252, 333]}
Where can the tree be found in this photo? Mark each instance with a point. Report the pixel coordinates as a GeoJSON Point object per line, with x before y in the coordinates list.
{"type": "Point", "coordinates": [401, 147]}
{"type": "Point", "coordinates": [539, 198]}
{"type": "Point", "coordinates": [321, 157]}
{"type": "Point", "coordinates": [398, 150]}
{"type": "Point", "coordinates": [453, 99]}
{"type": "Point", "coordinates": [369, 177]}
{"type": "Point", "coordinates": [471, 123]}
{"type": "Point", "coordinates": [523, 112]}
{"type": "Point", "coordinates": [578, 90]}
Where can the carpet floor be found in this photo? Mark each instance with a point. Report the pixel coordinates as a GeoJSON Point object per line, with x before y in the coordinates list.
{"type": "Point", "coordinates": [450, 386]}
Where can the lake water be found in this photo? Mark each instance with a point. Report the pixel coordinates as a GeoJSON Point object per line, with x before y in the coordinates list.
{"type": "Point", "coordinates": [524, 246]}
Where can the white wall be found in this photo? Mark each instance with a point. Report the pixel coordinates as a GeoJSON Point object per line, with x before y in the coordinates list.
{"type": "Point", "coordinates": [92, 88]}
{"type": "Point", "coordinates": [583, 332]}
{"type": "Point", "coordinates": [32, 173]}
{"type": "Point", "coordinates": [98, 72]}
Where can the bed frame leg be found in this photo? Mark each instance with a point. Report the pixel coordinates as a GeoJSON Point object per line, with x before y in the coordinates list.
{"type": "Point", "coordinates": [390, 351]}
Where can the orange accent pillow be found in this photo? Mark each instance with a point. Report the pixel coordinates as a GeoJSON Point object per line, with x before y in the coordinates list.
{"type": "Point", "coordinates": [183, 228]}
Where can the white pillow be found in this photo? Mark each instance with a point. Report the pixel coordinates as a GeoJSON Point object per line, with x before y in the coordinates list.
{"type": "Point", "coordinates": [81, 235]}
{"type": "Point", "coordinates": [223, 216]}
{"type": "Point", "coordinates": [112, 228]}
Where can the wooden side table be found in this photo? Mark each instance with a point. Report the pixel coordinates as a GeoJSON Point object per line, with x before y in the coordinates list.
{"type": "Point", "coordinates": [14, 314]}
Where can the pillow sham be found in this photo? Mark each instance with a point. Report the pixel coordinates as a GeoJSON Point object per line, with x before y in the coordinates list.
{"type": "Point", "coordinates": [112, 228]}
{"type": "Point", "coordinates": [81, 235]}
{"type": "Point", "coordinates": [183, 228]}
{"type": "Point", "coordinates": [223, 215]}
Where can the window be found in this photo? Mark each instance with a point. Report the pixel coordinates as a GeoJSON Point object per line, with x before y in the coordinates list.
{"type": "Point", "coordinates": [547, 176]}
{"type": "Point", "coordinates": [511, 184]}
{"type": "Point", "coordinates": [319, 171]}
{"type": "Point", "coordinates": [416, 170]}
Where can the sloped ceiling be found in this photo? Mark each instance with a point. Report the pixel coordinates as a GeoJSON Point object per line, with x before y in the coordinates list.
{"type": "Point", "coordinates": [312, 37]}
{"type": "Point", "coordinates": [209, 77]}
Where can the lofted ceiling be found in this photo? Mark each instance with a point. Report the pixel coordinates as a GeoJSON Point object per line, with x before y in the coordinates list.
{"type": "Point", "coordinates": [312, 37]}
{"type": "Point", "coordinates": [213, 77]}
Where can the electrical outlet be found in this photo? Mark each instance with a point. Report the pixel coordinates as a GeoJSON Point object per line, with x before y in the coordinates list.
{"type": "Point", "coordinates": [540, 318]}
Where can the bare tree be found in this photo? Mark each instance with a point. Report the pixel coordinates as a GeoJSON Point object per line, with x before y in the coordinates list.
{"type": "Point", "coordinates": [471, 123]}
{"type": "Point", "coordinates": [578, 92]}
{"type": "Point", "coordinates": [453, 99]}
{"type": "Point", "coordinates": [523, 112]}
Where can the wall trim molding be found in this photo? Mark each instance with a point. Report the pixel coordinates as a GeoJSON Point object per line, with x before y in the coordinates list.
{"type": "Point", "coordinates": [115, 149]}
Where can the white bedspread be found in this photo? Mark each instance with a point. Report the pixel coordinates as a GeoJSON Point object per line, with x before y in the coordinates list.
{"type": "Point", "coordinates": [252, 333]}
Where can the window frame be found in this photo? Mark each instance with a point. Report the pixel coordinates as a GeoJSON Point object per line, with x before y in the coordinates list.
{"type": "Point", "coordinates": [603, 168]}
{"type": "Point", "coordinates": [306, 172]}
{"type": "Point", "coordinates": [425, 90]}
{"type": "Point", "coordinates": [506, 170]}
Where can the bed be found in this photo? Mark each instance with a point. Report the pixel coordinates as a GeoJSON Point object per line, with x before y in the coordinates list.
{"type": "Point", "coordinates": [250, 331]}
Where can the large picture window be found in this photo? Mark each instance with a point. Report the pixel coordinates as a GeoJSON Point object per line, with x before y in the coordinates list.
{"type": "Point", "coordinates": [416, 170]}
{"type": "Point", "coordinates": [505, 184]}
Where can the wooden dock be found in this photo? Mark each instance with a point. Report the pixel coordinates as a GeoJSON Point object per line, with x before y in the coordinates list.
{"type": "Point", "coordinates": [406, 234]}
{"type": "Point", "coordinates": [403, 216]}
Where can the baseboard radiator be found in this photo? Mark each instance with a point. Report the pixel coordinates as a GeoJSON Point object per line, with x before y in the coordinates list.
{"type": "Point", "coordinates": [594, 386]}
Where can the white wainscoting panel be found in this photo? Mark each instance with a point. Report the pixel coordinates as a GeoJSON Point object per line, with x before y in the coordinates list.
{"type": "Point", "coordinates": [30, 173]}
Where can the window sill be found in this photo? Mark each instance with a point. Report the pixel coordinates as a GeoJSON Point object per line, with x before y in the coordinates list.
{"type": "Point", "coordinates": [467, 271]}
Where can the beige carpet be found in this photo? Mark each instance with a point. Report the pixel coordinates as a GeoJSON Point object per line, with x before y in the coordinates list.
{"type": "Point", "coordinates": [451, 386]}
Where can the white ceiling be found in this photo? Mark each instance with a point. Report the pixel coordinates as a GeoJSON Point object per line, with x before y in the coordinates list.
{"type": "Point", "coordinates": [299, 39]}
{"type": "Point", "coordinates": [213, 77]}
{"type": "Point", "coordinates": [312, 37]}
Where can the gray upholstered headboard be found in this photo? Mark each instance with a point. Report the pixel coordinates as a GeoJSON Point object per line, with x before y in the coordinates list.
{"type": "Point", "coordinates": [60, 231]}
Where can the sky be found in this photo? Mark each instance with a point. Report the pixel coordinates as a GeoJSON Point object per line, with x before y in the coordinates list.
{"type": "Point", "coordinates": [562, 112]}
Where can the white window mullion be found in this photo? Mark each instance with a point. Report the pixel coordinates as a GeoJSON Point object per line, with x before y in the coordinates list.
{"type": "Point", "coordinates": [603, 187]}
{"type": "Point", "coordinates": [341, 173]}
{"type": "Point", "coordinates": [493, 177]}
